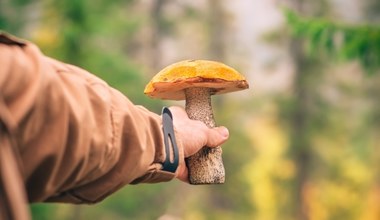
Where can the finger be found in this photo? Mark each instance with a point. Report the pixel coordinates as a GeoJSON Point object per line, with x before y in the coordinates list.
{"type": "Point", "coordinates": [184, 175]}
{"type": "Point", "coordinates": [179, 111]}
{"type": "Point", "coordinates": [217, 136]}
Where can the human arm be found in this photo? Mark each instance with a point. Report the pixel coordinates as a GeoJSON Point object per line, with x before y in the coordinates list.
{"type": "Point", "coordinates": [79, 140]}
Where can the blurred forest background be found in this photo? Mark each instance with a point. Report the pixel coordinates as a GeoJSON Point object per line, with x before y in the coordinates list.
{"type": "Point", "coordinates": [305, 138]}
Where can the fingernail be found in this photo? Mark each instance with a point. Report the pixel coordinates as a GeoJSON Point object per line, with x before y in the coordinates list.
{"type": "Point", "coordinates": [224, 132]}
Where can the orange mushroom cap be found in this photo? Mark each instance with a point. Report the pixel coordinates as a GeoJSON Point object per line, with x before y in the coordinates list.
{"type": "Point", "coordinates": [171, 82]}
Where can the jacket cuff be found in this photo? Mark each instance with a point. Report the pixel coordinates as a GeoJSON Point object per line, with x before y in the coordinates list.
{"type": "Point", "coordinates": [155, 174]}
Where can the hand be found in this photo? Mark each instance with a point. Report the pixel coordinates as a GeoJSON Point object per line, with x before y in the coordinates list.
{"type": "Point", "coordinates": [201, 135]}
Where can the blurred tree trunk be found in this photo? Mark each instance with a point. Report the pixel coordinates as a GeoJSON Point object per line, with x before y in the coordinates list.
{"type": "Point", "coordinates": [372, 16]}
{"type": "Point", "coordinates": [373, 91]}
{"type": "Point", "coordinates": [216, 27]}
{"type": "Point", "coordinates": [14, 16]}
{"type": "Point", "coordinates": [372, 11]}
{"type": "Point", "coordinates": [3, 21]}
{"type": "Point", "coordinates": [217, 34]}
{"type": "Point", "coordinates": [157, 32]}
{"type": "Point", "coordinates": [300, 140]}
{"type": "Point", "coordinates": [75, 31]}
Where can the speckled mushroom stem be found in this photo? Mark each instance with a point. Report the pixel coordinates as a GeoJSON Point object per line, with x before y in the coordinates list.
{"type": "Point", "coordinates": [206, 166]}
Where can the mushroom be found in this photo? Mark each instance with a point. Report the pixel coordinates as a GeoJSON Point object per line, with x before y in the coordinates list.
{"type": "Point", "coordinates": [195, 81]}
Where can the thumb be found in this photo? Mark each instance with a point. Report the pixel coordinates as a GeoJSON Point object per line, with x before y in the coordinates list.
{"type": "Point", "coordinates": [217, 136]}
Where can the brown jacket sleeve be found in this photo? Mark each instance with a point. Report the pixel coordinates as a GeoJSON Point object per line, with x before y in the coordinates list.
{"type": "Point", "coordinates": [74, 138]}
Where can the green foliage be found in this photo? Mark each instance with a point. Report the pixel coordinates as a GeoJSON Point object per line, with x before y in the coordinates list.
{"type": "Point", "coordinates": [10, 19]}
{"type": "Point", "coordinates": [342, 41]}
{"type": "Point", "coordinates": [42, 211]}
{"type": "Point", "coordinates": [144, 201]}
{"type": "Point", "coordinates": [96, 37]}
{"type": "Point", "coordinates": [332, 119]}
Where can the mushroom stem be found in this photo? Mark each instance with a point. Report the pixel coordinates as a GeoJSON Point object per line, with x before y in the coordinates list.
{"type": "Point", "coordinates": [206, 166]}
